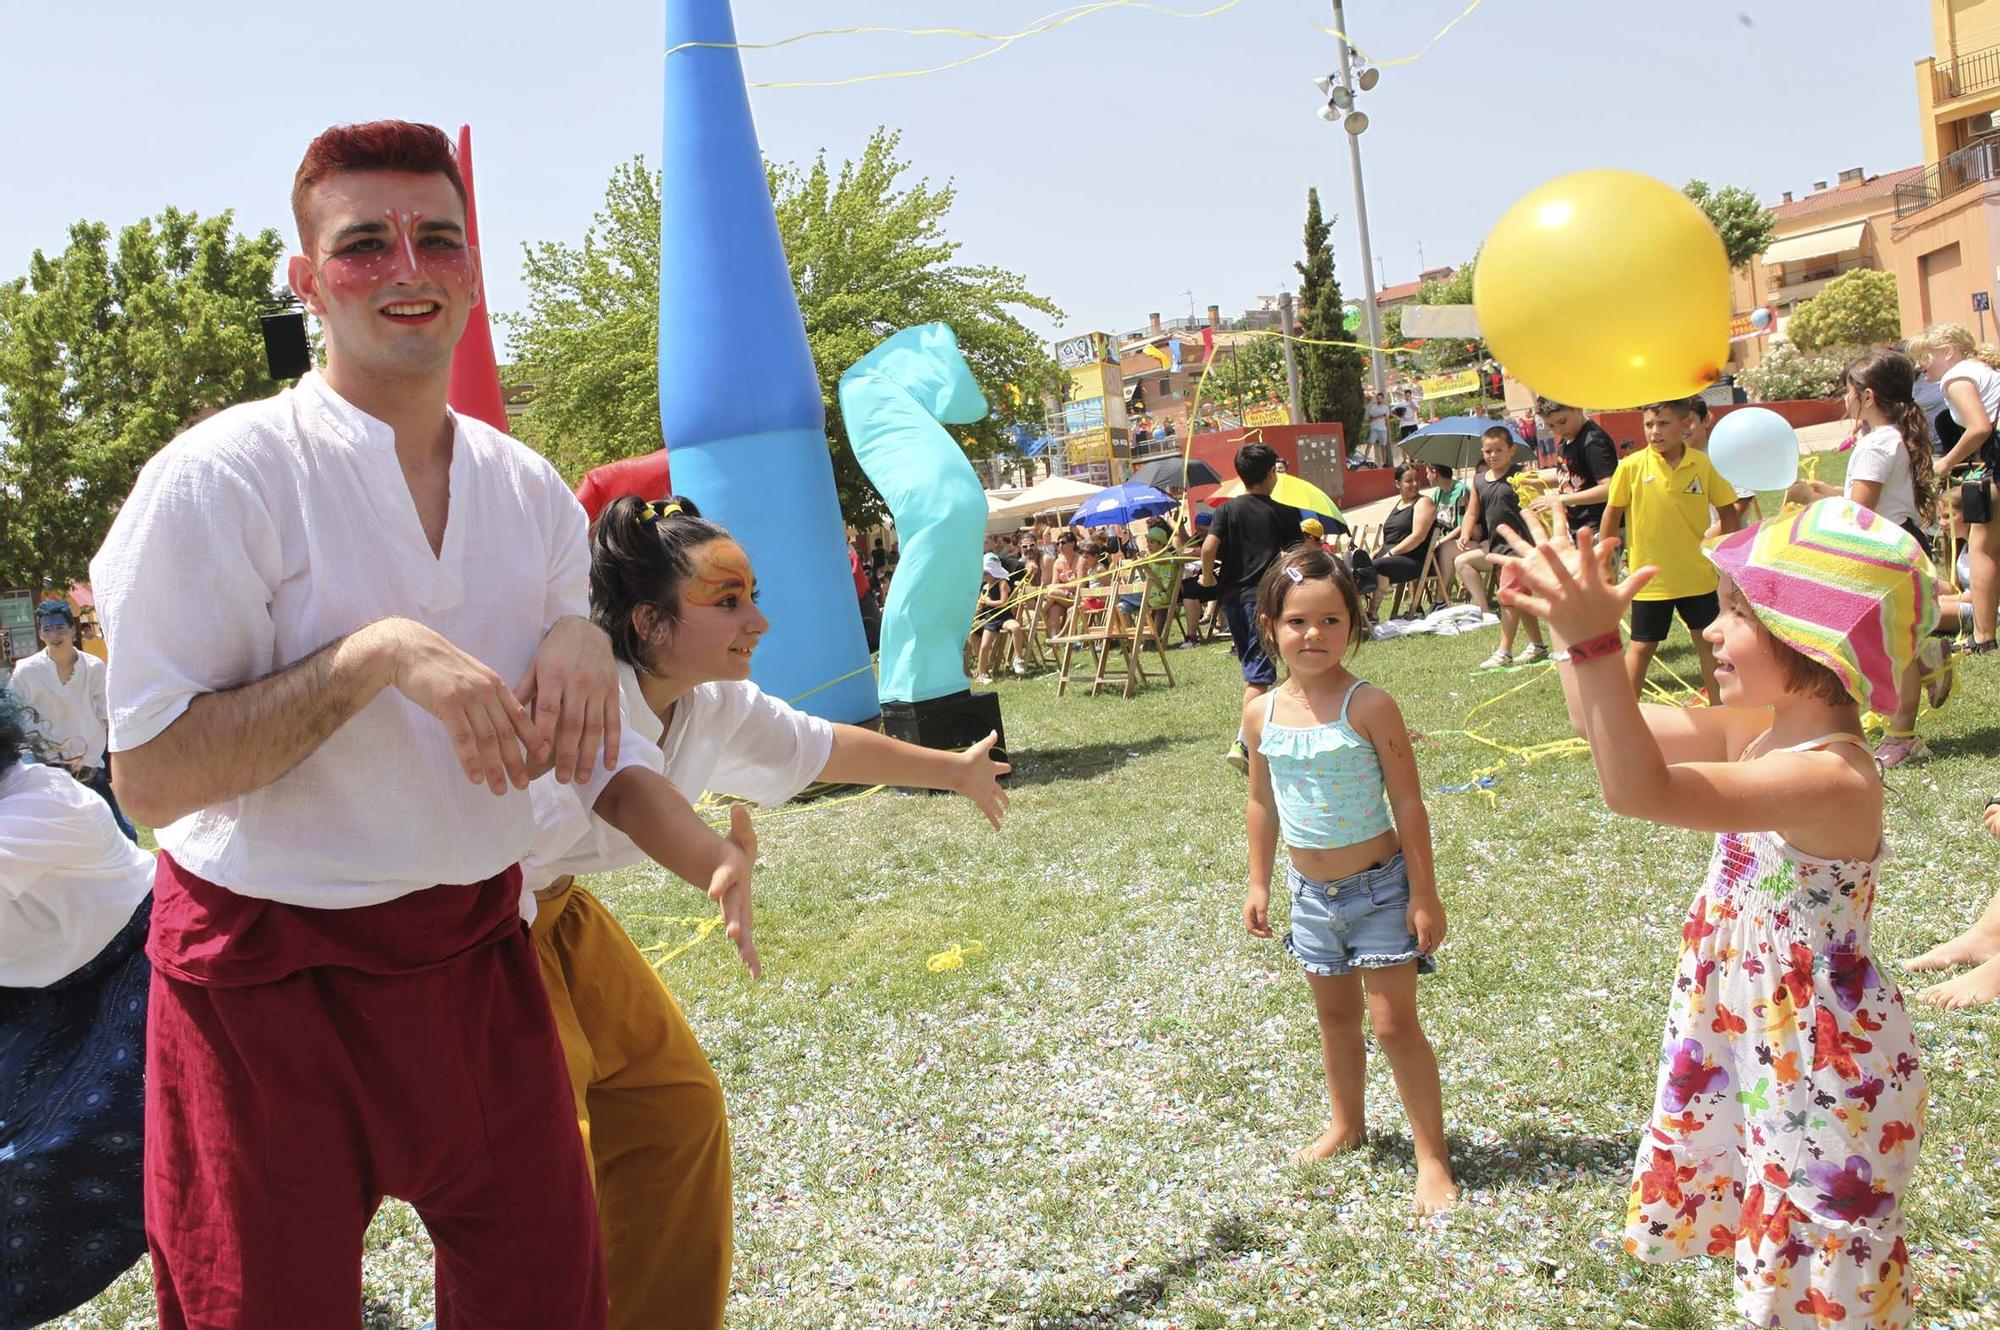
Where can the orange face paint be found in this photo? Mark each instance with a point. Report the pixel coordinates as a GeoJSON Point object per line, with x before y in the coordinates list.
{"type": "Point", "coordinates": [721, 570]}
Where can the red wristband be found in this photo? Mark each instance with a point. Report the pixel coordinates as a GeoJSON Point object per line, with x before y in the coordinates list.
{"type": "Point", "coordinates": [1610, 644]}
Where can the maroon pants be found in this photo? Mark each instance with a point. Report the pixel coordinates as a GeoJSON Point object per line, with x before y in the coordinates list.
{"type": "Point", "coordinates": [284, 1102]}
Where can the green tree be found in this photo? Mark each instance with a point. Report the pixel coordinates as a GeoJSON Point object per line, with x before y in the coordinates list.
{"type": "Point", "coordinates": [869, 254]}
{"type": "Point", "coordinates": [1329, 376]}
{"type": "Point", "coordinates": [1249, 374]}
{"type": "Point", "coordinates": [1855, 309]}
{"type": "Point", "coordinates": [104, 357]}
{"type": "Point", "coordinates": [1744, 224]}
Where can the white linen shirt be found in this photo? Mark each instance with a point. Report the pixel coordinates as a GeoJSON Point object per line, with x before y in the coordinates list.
{"type": "Point", "coordinates": [730, 738]}
{"type": "Point", "coordinates": [71, 716]}
{"type": "Point", "coordinates": [69, 880]}
{"type": "Point", "coordinates": [276, 527]}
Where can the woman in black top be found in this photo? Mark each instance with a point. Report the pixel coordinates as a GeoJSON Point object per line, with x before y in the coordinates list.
{"type": "Point", "coordinates": [1406, 538]}
{"type": "Point", "coordinates": [1495, 505]}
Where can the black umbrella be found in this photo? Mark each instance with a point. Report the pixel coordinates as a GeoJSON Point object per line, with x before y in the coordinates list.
{"type": "Point", "coordinates": [1166, 472]}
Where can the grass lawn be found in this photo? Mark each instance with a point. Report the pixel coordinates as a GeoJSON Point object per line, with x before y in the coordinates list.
{"type": "Point", "coordinates": [1088, 1124]}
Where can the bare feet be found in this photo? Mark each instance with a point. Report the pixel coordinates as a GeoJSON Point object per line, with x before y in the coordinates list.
{"type": "Point", "coordinates": [1974, 987]}
{"type": "Point", "coordinates": [1436, 1192]}
{"type": "Point", "coordinates": [1975, 946]}
{"type": "Point", "coordinates": [1327, 1144]}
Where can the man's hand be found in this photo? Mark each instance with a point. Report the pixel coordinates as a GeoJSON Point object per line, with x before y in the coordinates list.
{"type": "Point", "coordinates": [729, 887]}
{"type": "Point", "coordinates": [489, 730]}
{"type": "Point", "coordinates": [1992, 819]}
{"type": "Point", "coordinates": [1257, 910]}
{"type": "Point", "coordinates": [1207, 577]}
{"type": "Point", "coordinates": [572, 684]}
{"type": "Point", "coordinates": [979, 779]}
{"type": "Point", "coordinates": [1426, 920]}
{"type": "Point", "coordinates": [1546, 503]}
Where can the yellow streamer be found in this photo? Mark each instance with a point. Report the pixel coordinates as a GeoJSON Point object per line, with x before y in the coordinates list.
{"type": "Point", "coordinates": [702, 925]}
{"type": "Point", "coordinates": [1422, 51]}
{"type": "Point", "coordinates": [954, 956]}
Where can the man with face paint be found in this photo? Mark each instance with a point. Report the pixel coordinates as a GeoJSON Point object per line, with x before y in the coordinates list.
{"type": "Point", "coordinates": [387, 639]}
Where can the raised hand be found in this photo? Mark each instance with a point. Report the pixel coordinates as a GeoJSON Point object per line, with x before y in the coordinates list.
{"type": "Point", "coordinates": [1568, 583]}
{"type": "Point", "coordinates": [489, 729]}
{"type": "Point", "coordinates": [979, 779]}
{"type": "Point", "coordinates": [572, 684]}
{"type": "Point", "coordinates": [729, 887]}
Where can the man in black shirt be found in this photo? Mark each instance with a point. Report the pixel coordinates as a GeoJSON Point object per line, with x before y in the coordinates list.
{"type": "Point", "coordinates": [1249, 533]}
{"type": "Point", "coordinates": [1583, 467]}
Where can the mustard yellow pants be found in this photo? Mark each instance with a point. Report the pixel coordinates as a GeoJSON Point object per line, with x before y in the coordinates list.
{"type": "Point", "coordinates": [651, 1113]}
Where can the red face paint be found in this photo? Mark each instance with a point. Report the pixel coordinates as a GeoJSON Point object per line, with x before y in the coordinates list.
{"type": "Point", "coordinates": [400, 252]}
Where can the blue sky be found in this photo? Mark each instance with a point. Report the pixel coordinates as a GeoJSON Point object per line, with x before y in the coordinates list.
{"type": "Point", "coordinates": [1118, 162]}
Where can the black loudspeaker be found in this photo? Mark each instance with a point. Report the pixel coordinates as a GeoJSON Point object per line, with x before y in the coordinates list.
{"type": "Point", "coordinates": [953, 722]}
{"type": "Point", "coordinates": [286, 351]}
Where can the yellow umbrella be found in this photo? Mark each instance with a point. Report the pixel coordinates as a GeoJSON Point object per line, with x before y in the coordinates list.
{"type": "Point", "coordinates": [1291, 491]}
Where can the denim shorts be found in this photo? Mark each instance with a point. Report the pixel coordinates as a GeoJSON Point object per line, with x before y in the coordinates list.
{"type": "Point", "coordinates": [1358, 923]}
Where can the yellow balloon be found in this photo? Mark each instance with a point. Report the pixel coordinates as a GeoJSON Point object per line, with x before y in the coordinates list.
{"type": "Point", "coordinates": [1605, 289]}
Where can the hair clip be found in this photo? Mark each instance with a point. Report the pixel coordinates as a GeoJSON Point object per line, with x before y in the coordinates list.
{"type": "Point", "coordinates": [1293, 573]}
{"type": "Point", "coordinates": [655, 510]}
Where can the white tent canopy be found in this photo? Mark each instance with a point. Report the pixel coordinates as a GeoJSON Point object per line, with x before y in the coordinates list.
{"type": "Point", "coordinates": [1048, 495]}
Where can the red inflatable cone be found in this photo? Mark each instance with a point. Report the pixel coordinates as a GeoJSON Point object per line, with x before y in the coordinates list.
{"type": "Point", "coordinates": [475, 374]}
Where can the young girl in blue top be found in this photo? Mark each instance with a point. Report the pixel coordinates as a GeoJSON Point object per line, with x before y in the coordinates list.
{"type": "Point", "coordinates": [1330, 765]}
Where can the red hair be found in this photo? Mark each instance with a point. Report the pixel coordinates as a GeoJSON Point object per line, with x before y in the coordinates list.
{"type": "Point", "coordinates": [378, 145]}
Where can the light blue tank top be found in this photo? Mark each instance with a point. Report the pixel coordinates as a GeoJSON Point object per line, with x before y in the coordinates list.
{"type": "Point", "coordinates": [1327, 781]}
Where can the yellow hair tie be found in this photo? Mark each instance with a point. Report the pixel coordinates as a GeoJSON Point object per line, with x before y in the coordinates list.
{"type": "Point", "coordinates": [656, 510]}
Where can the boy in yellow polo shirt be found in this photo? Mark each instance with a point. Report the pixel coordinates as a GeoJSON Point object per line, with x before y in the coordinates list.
{"type": "Point", "coordinates": [1665, 491]}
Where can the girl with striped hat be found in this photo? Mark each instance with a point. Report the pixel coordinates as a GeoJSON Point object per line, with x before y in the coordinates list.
{"type": "Point", "coordinates": [1789, 1104]}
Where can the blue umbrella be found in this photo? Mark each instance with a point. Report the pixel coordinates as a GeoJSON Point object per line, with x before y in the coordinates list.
{"type": "Point", "coordinates": [1455, 442]}
{"type": "Point", "coordinates": [1121, 504]}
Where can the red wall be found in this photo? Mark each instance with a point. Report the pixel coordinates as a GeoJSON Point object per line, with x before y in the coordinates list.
{"type": "Point", "coordinates": [1218, 449]}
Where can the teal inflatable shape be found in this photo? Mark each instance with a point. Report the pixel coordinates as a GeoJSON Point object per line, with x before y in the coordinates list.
{"type": "Point", "coordinates": [896, 401]}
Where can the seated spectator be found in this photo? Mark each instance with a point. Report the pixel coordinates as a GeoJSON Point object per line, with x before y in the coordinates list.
{"type": "Point", "coordinates": [996, 618]}
{"type": "Point", "coordinates": [1197, 601]}
{"type": "Point", "coordinates": [1449, 494]}
{"type": "Point", "coordinates": [1156, 566]}
{"type": "Point", "coordinates": [1406, 538]}
{"type": "Point", "coordinates": [1065, 573]}
{"type": "Point", "coordinates": [1314, 532]}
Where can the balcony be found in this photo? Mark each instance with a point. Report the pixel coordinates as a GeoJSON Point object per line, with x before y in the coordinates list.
{"type": "Point", "coordinates": [1962, 170]}
{"type": "Point", "coordinates": [1969, 74]}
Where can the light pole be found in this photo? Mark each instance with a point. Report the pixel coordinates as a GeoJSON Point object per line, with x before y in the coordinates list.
{"type": "Point", "coordinates": [1338, 108]}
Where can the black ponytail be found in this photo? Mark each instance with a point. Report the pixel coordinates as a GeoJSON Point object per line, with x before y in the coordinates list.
{"type": "Point", "coordinates": [641, 555]}
{"type": "Point", "coordinates": [14, 728]}
{"type": "Point", "coordinates": [1892, 377]}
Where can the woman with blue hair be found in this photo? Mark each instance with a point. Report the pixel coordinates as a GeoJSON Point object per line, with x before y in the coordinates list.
{"type": "Point", "coordinates": [74, 904]}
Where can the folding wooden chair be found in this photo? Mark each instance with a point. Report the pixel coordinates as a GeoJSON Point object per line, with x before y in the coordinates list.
{"type": "Point", "coordinates": [1428, 589]}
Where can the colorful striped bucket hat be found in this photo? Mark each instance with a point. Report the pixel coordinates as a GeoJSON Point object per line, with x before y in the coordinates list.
{"type": "Point", "coordinates": [1841, 585]}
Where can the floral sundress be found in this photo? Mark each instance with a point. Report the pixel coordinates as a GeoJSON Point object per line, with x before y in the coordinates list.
{"type": "Point", "coordinates": [1790, 1105]}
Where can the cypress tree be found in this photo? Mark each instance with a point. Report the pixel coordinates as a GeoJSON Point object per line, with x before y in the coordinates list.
{"type": "Point", "coordinates": [1330, 377]}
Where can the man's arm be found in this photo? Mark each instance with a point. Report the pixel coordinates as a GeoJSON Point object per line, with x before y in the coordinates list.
{"type": "Point", "coordinates": [1210, 545]}
{"type": "Point", "coordinates": [228, 743]}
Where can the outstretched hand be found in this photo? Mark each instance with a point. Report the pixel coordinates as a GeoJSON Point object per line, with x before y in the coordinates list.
{"type": "Point", "coordinates": [979, 779]}
{"type": "Point", "coordinates": [1568, 582]}
{"type": "Point", "coordinates": [729, 887]}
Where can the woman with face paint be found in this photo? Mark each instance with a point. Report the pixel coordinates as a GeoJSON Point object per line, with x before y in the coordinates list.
{"type": "Point", "coordinates": [678, 598]}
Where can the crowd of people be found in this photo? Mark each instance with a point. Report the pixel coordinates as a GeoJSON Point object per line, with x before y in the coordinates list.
{"type": "Point", "coordinates": [363, 962]}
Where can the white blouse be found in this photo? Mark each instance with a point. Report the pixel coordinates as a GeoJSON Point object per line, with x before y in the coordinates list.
{"type": "Point", "coordinates": [729, 738]}
{"type": "Point", "coordinates": [68, 879]}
